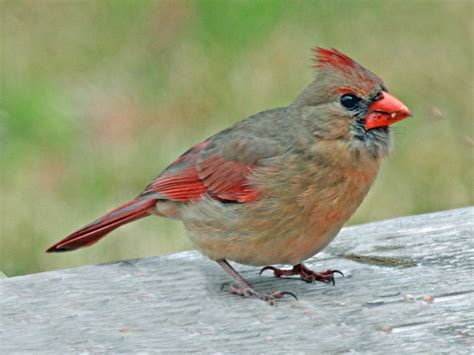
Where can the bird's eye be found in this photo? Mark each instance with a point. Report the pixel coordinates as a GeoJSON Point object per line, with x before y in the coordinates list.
{"type": "Point", "coordinates": [350, 101]}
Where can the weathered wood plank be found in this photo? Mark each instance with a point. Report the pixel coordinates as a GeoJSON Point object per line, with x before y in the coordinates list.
{"type": "Point", "coordinates": [408, 288]}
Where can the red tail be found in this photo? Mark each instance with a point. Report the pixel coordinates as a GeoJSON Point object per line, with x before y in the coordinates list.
{"type": "Point", "coordinates": [98, 229]}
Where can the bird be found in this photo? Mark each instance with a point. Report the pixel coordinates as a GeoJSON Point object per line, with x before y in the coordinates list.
{"type": "Point", "coordinates": [276, 187]}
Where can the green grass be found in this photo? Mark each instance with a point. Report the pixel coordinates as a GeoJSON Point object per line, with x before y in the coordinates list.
{"type": "Point", "coordinates": [97, 97]}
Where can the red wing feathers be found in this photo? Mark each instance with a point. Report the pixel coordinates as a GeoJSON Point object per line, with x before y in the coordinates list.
{"type": "Point", "coordinates": [181, 185]}
{"type": "Point", "coordinates": [190, 178]}
{"type": "Point", "coordinates": [226, 180]}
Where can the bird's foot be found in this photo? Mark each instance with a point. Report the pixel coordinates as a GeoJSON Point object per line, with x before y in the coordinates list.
{"type": "Point", "coordinates": [305, 274]}
{"type": "Point", "coordinates": [247, 291]}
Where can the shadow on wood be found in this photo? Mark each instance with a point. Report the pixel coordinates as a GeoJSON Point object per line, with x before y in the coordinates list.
{"type": "Point", "coordinates": [408, 288]}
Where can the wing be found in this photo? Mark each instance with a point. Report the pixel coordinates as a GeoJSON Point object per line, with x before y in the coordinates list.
{"type": "Point", "coordinates": [180, 181]}
{"type": "Point", "coordinates": [218, 168]}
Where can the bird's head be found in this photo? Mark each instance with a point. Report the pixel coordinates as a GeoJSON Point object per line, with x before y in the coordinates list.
{"type": "Point", "coordinates": [348, 102]}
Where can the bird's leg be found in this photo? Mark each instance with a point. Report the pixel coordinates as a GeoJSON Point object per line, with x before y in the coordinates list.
{"type": "Point", "coordinates": [306, 274]}
{"type": "Point", "coordinates": [245, 289]}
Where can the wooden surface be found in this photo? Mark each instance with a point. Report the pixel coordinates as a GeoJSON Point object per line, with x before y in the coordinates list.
{"type": "Point", "coordinates": [409, 288]}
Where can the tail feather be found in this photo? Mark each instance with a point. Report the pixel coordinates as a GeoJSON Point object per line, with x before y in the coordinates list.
{"type": "Point", "coordinates": [98, 229]}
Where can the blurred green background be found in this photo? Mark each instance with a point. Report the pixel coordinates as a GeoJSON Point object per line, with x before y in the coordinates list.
{"type": "Point", "coordinates": [97, 97]}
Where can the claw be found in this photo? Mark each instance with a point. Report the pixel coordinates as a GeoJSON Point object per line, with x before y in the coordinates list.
{"type": "Point", "coordinates": [289, 294]}
{"type": "Point", "coordinates": [331, 275]}
{"type": "Point", "coordinates": [224, 285]}
{"type": "Point", "coordinates": [274, 269]}
{"type": "Point", "coordinates": [306, 274]}
{"type": "Point", "coordinates": [247, 291]}
{"type": "Point", "coordinates": [244, 289]}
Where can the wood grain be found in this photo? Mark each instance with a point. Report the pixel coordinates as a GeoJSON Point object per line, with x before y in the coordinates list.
{"type": "Point", "coordinates": [408, 289]}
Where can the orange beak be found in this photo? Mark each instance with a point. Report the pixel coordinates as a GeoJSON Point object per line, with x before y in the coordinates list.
{"type": "Point", "coordinates": [386, 111]}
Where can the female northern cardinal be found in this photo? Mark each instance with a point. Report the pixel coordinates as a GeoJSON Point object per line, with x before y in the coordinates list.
{"type": "Point", "coordinates": [276, 187]}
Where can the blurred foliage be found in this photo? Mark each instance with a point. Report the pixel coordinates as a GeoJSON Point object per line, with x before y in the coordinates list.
{"type": "Point", "coordinates": [97, 97]}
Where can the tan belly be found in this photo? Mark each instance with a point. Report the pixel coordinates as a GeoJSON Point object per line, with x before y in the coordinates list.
{"type": "Point", "coordinates": [259, 235]}
{"type": "Point", "coordinates": [294, 219]}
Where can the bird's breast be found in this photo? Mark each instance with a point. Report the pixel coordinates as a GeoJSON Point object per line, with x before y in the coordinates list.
{"type": "Point", "coordinates": [303, 205]}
